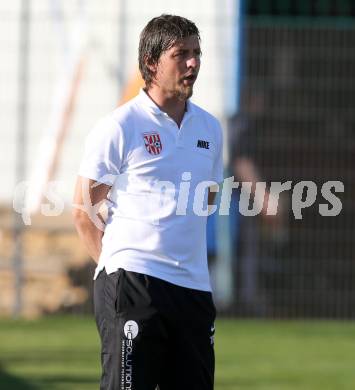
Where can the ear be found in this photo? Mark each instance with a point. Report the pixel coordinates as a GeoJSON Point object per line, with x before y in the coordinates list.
{"type": "Point", "coordinates": [152, 67]}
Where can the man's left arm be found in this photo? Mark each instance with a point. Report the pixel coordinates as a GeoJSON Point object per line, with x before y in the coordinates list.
{"type": "Point", "coordinates": [212, 194]}
{"type": "Point", "coordinates": [217, 171]}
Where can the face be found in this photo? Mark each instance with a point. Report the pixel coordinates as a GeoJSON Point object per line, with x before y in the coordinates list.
{"type": "Point", "coordinates": [178, 67]}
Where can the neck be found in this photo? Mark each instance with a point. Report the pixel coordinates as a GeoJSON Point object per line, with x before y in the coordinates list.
{"type": "Point", "coordinates": [170, 104]}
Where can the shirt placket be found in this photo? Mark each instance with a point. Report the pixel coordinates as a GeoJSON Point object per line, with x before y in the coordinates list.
{"type": "Point", "coordinates": [178, 132]}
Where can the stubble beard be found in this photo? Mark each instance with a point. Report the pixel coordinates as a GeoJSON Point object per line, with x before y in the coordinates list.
{"type": "Point", "coordinates": [183, 93]}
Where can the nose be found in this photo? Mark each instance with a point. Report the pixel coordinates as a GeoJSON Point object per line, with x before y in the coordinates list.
{"type": "Point", "coordinates": [193, 62]}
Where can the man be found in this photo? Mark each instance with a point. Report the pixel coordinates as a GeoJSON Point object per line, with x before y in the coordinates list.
{"type": "Point", "coordinates": [151, 158]}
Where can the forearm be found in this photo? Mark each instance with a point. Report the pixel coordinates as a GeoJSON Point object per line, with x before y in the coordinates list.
{"type": "Point", "coordinates": [89, 199]}
{"type": "Point", "coordinates": [91, 236]}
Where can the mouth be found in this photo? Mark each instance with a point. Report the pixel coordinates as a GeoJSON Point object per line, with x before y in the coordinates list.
{"type": "Point", "coordinates": [189, 80]}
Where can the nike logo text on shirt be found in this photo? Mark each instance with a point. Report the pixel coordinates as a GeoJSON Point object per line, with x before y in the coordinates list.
{"type": "Point", "coordinates": [203, 144]}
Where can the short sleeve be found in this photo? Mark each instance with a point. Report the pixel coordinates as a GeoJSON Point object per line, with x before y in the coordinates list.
{"type": "Point", "coordinates": [217, 172]}
{"type": "Point", "coordinates": [103, 153]}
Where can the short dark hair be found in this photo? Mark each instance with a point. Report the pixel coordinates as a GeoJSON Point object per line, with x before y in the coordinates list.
{"type": "Point", "coordinates": [159, 35]}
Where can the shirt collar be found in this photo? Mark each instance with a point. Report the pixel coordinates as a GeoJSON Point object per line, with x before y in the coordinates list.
{"type": "Point", "coordinates": [153, 108]}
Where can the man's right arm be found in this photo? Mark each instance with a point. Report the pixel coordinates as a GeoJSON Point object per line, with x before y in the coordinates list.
{"type": "Point", "coordinates": [89, 197]}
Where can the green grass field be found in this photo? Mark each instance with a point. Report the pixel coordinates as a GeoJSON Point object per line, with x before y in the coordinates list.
{"type": "Point", "coordinates": [62, 353]}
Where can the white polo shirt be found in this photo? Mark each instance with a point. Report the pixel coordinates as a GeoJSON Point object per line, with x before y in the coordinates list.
{"type": "Point", "coordinates": [158, 172]}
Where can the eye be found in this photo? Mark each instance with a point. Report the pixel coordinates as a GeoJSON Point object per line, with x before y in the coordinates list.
{"type": "Point", "coordinates": [179, 54]}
